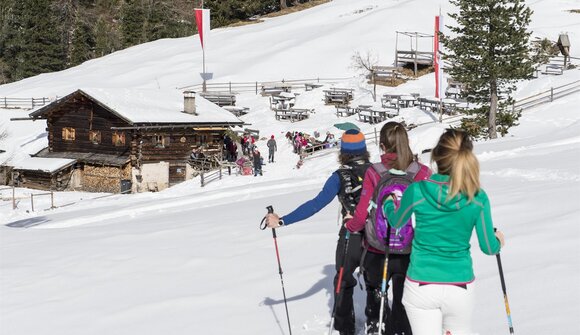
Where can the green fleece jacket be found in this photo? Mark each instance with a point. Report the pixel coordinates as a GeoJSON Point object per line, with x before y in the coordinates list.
{"type": "Point", "coordinates": [440, 249]}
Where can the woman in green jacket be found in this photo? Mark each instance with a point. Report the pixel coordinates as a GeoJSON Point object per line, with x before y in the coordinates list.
{"type": "Point", "coordinates": [438, 294]}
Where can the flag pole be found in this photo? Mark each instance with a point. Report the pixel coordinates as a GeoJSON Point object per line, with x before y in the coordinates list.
{"type": "Point", "coordinates": [204, 88]}
{"type": "Point", "coordinates": [438, 60]}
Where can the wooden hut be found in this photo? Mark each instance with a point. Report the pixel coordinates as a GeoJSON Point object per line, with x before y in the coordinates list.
{"type": "Point", "coordinates": [123, 140]}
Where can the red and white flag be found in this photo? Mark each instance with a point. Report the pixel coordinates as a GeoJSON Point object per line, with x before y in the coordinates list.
{"type": "Point", "coordinates": [438, 63]}
{"type": "Point", "coordinates": [203, 27]}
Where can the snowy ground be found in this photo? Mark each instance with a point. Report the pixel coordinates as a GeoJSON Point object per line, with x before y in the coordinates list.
{"type": "Point", "coordinates": [191, 260]}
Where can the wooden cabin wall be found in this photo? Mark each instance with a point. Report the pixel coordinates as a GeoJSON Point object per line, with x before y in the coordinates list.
{"type": "Point", "coordinates": [45, 180]}
{"type": "Point", "coordinates": [181, 142]}
{"type": "Point", "coordinates": [83, 115]}
{"type": "Point", "coordinates": [36, 180]}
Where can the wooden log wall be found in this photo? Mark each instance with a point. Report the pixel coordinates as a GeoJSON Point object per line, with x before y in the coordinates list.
{"type": "Point", "coordinates": [178, 144]}
{"type": "Point", "coordinates": [83, 115]}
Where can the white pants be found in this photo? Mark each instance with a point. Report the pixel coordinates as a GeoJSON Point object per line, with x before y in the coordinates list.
{"type": "Point", "coordinates": [436, 309]}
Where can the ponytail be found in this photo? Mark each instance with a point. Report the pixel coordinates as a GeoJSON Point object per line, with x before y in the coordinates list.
{"type": "Point", "coordinates": [394, 139]}
{"type": "Point", "coordinates": [454, 157]}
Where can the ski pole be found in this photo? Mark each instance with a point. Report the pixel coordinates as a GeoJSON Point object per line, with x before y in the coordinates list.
{"type": "Point", "coordinates": [338, 291]}
{"type": "Point", "coordinates": [503, 288]}
{"type": "Point", "coordinates": [384, 281]}
{"type": "Point", "coordinates": [264, 225]}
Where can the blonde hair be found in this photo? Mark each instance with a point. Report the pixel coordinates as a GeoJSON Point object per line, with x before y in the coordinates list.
{"type": "Point", "coordinates": [454, 157]}
{"type": "Point", "coordinates": [394, 139]}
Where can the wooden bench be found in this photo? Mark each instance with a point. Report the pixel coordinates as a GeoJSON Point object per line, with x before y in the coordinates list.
{"type": "Point", "coordinates": [220, 98]}
{"type": "Point", "coordinates": [292, 114]}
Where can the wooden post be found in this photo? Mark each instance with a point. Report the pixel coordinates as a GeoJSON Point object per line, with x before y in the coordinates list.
{"type": "Point", "coordinates": [202, 184]}
{"type": "Point", "coordinates": [374, 86]}
{"type": "Point", "coordinates": [551, 94]}
{"type": "Point", "coordinates": [220, 173]}
{"type": "Point", "coordinates": [230, 87]}
{"type": "Point", "coordinates": [256, 88]}
{"type": "Point", "coordinates": [13, 192]}
{"type": "Point", "coordinates": [5, 103]}
{"type": "Point", "coordinates": [397, 50]}
{"type": "Point", "coordinates": [416, 51]}
{"type": "Point", "coordinates": [32, 201]}
{"type": "Point", "coordinates": [52, 199]}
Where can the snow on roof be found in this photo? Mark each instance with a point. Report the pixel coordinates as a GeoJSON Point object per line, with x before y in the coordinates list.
{"type": "Point", "coordinates": [157, 106]}
{"type": "Point", "coordinates": [49, 165]}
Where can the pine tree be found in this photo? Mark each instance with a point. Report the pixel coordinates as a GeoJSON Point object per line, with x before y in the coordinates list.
{"type": "Point", "coordinates": [132, 23]}
{"type": "Point", "coordinates": [33, 42]}
{"type": "Point", "coordinates": [489, 51]}
{"type": "Point", "coordinates": [83, 44]}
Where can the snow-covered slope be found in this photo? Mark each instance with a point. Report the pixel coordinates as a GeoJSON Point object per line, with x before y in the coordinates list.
{"type": "Point", "coordinates": [192, 260]}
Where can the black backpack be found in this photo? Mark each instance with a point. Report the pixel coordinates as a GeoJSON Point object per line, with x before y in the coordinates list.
{"type": "Point", "coordinates": [351, 178]}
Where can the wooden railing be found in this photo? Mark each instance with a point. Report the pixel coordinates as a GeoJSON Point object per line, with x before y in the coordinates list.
{"type": "Point", "coordinates": [256, 86]}
{"type": "Point", "coordinates": [23, 103]}
{"type": "Point", "coordinates": [550, 95]}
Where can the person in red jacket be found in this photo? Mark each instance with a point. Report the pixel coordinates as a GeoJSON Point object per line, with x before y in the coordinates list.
{"type": "Point", "coordinates": [394, 143]}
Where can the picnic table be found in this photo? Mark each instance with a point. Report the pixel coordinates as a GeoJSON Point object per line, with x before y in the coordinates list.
{"type": "Point", "coordinates": [406, 101]}
{"type": "Point", "coordinates": [220, 98]}
{"type": "Point", "coordinates": [275, 89]}
{"type": "Point", "coordinates": [344, 110]}
{"type": "Point", "coordinates": [338, 96]}
{"type": "Point", "coordinates": [292, 114]}
{"type": "Point", "coordinates": [283, 101]}
{"type": "Point", "coordinates": [449, 106]}
{"type": "Point", "coordinates": [375, 115]}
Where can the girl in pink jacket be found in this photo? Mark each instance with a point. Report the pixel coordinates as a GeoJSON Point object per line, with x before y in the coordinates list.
{"type": "Point", "coordinates": [397, 154]}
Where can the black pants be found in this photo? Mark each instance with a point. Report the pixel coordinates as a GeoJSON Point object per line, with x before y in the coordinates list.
{"type": "Point", "coordinates": [344, 313]}
{"type": "Point", "coordinates": [396, 319]}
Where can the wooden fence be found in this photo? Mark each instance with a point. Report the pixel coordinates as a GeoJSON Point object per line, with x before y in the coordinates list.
{"type": "Point", "coordinates": [550, 95]}
{"type": "Point", "coordinates": [22, 103]}
{"type": "Point", "coordinates": [256, 86]}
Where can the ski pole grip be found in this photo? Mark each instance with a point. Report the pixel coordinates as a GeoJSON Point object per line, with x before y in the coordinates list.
{"type": "Point", "coordinates": [264, 224]}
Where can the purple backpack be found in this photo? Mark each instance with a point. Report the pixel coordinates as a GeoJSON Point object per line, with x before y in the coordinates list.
{"type": "Point", "coordinates": [391, 182]}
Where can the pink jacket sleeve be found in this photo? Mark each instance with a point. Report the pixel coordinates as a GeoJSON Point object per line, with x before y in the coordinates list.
{"type": "Point", "coordinates": [357, 223]}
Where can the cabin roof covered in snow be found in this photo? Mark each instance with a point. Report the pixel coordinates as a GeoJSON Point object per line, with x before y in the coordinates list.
{"type": "Point", "coordinates": [145, 106]}
{"type": "Point", "coordinates": [49, 165]}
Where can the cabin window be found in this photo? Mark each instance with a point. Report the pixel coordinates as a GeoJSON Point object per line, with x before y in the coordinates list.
{"type": "Point", "coordinates": [199, 139]}
{"type": "Point", "coordinates": [95, 136]}
{"type": "Point", "coordinates": [68, 134]}
{"type": "Point", "coordinates": [161, 141]}
{"type": "Point", "coordinates": [118, 138]}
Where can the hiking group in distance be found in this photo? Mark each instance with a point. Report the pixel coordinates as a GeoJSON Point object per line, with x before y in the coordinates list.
{"type": "Point", "coordinates": [404, 225]}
